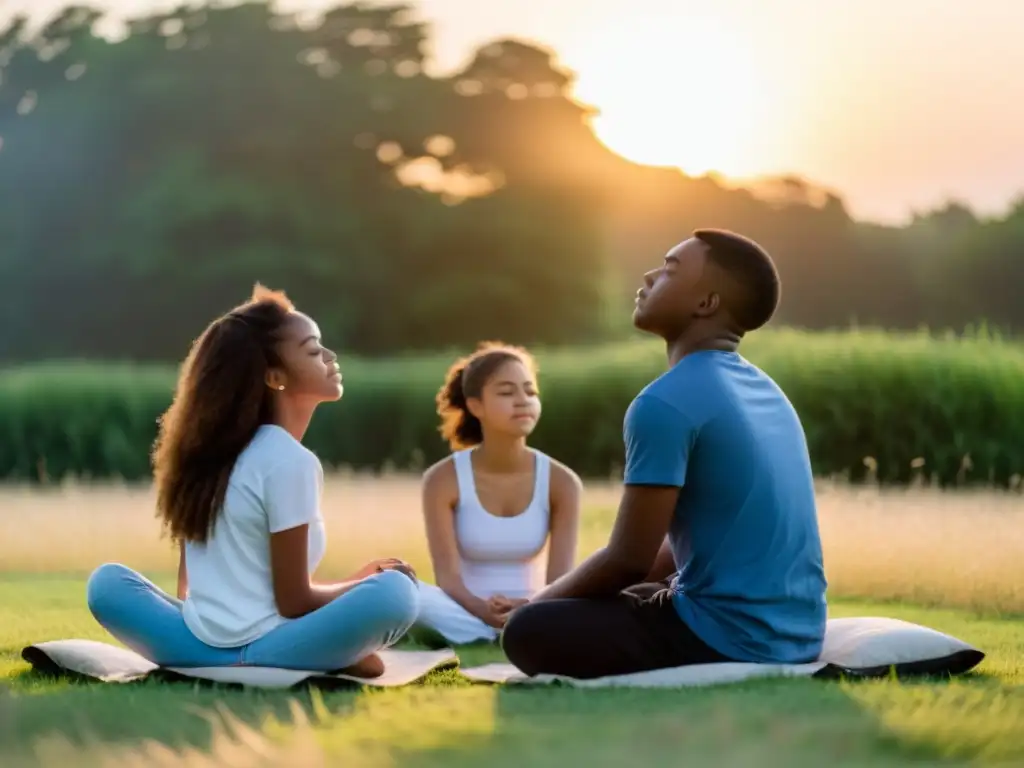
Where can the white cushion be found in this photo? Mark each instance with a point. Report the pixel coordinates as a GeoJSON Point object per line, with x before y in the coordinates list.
{"type": "Point", "coordinates": [858, 647]}
{"type": "Point", "coordinates": [101, 661]}
{"type": "Point", "coordinates": [872, 645]}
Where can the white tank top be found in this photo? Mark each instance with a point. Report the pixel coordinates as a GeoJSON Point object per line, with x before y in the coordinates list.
{"type": "Point", "coordinates": [498, 555]}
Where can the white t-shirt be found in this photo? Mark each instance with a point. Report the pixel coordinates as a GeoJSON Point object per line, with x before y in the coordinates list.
{"type": "Point", "coordinates": [275, 485]}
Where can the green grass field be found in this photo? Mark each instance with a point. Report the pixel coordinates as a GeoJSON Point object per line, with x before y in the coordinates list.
{"type": "Point", "coordinates": [956, 556]}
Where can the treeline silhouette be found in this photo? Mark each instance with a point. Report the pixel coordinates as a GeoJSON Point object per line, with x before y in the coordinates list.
{"type": "Point", "coordinates": [148, 182]}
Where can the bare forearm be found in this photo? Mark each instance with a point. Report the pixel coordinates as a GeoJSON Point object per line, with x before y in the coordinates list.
{"type": "Point", "coordinates": [182, 576]}
{"type": "Point", "coordinates": [455, 589]}
{"type": "Point", "coordinates": [664, 563]}
{"type": "Point", "coordinates": [597, 576]}
{"type": "Point", "coordinates": [559, 565]}
{"type": "Point", "coordinates": [565, 517]}
{"type": "Point", "coordinates": [320, 595]}
{"type": "Point", "coordinates": [554, 574]}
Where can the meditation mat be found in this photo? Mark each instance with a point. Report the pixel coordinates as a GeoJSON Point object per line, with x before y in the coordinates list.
{"type": "Point", "coordinates": [112, 664]}
{"type": "Point", "coordinates": [858, 647]}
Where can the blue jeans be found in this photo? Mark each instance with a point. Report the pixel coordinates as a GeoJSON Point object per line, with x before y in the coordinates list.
{"type": "Point", "coordinates": [373, 615]}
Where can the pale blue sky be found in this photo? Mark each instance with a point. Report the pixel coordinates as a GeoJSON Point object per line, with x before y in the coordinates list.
{"type": "Point", "coordinates": [896, 104]}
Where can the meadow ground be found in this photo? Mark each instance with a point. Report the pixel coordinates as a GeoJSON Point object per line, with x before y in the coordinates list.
{"type": "Point", "coordinates": [952, 561]}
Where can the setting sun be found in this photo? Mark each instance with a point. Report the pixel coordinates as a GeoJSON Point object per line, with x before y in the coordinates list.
{"type": "Point", "coordinates": [673, 90]}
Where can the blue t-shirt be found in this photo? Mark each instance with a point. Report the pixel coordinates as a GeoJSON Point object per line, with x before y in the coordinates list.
{"type": "Point", "coordinates": [751, 581]}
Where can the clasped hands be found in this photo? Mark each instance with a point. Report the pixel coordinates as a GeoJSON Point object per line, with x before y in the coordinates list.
{"type": "Point", "coordinates": [496, 609]}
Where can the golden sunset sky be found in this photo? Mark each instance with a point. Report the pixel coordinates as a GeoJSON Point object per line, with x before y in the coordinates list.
{"type": "Point", "coordinates": [896, 105]}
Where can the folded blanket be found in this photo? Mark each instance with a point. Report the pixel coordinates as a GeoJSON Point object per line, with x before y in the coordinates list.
{"type": "Point", "coordinates": [112, 664]}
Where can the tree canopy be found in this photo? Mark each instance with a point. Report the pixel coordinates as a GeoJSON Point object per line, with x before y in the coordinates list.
{"type": "Point", "coordinates": [147, 182]}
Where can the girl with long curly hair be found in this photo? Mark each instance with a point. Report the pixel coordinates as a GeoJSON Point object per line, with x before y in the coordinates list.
{"type": "Point", "coordinates": [493, 505]}
{"type": "Point", "coordinates": [240, 494]}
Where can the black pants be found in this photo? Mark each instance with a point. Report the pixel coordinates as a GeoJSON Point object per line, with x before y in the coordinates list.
{"type": "Point", "coordinates": [635, 631]}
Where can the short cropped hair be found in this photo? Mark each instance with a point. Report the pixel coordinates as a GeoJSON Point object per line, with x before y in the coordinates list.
{"type": "Point", "coordinates": [752, 268]}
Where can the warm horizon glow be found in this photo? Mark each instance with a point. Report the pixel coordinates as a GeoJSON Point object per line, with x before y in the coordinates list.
{"type": "Point", "coordinates": [896, 105]}
{"type": "Point", "coordinates": [678, 92]}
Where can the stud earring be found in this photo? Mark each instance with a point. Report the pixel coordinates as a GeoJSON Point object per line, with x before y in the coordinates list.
{"type": "Point", "coordinates": [280, 386]}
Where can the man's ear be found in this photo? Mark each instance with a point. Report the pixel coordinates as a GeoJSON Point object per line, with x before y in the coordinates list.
{"type": "Point", "coordinates": [708, 305]}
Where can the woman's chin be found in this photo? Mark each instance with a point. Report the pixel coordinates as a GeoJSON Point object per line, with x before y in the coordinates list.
{"type": "Point", "coordinates": [523, 427]}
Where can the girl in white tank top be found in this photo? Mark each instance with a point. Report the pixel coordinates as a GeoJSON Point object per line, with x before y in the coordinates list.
{"type": "Point", "coordinates": [492, 506]}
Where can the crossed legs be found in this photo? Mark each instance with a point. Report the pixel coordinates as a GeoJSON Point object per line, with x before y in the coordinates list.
{"type": "Point", "coordinates": [371, 616]}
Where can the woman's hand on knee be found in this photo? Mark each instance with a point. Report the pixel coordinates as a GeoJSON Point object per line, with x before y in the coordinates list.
{"type": "Point", "coordinates": [401, 567]}
{"type": "Point", "coordinates": [385, 564]}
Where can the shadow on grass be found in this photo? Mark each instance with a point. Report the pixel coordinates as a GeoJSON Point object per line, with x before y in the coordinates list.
{"type": "Point", "coordinates": [171, 713]}
{"type": "Point", "coordinates": [763, 722]}
{"type": "Point", "coordinates": [450, 723]}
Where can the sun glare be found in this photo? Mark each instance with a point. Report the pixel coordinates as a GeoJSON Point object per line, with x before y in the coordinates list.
{"type": "Point", "coordinates": [673, 90]}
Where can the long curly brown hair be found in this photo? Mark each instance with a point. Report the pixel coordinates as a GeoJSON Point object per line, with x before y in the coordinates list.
{"type": "Point", "coordinates": [221, 400]}
{"type": "Point", "coordinates": [467, 378]}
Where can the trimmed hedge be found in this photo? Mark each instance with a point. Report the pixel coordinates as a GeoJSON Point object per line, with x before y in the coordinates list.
{"type": "Point", "coordinates": [874, 405]}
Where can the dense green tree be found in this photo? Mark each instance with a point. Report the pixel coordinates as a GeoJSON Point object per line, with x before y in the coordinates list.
{"type": "Point", "coordinates": [148, 181]}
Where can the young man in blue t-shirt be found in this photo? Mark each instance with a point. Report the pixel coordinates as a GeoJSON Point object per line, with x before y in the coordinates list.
{"type": "Point", "coordinates": [715, 553]}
